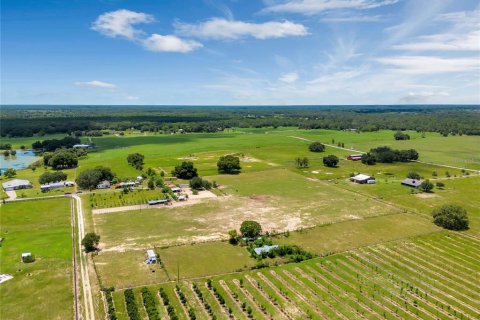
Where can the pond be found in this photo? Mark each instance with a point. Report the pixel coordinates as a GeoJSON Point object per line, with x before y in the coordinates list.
{"type": "Point", "coordinates": [21, 160]}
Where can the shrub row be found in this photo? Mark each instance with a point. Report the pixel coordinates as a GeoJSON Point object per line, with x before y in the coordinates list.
{"type": "Point", "coordinates": [166, 302]}
{"type": "Point", "coordinates": [199, 294]}
{"type": "Point", "coordinates": [110, 305]}
{"type": "Point", "coordinates": [132, 308]}
{"type": "Point", "coordinates": [150, 305]}
{"type": "Point", "coordinates": [183, 300]}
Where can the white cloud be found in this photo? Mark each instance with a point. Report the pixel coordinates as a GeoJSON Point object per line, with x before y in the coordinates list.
{"type": "Point", "coordinates": [463, 35]}
{"type": "Point", "coordinates": [431, 65]}
{"type": "Point", "coordinates": [95, 84]}
{"type": "Point", "coordinates": [169, 43]}
{"type": "Point", "coordinates": [132, 98]}
{"type": "Point", "coordinates": [219, 28]}
{"type": "Point", "coordinates": [353, 18]}
{"type": "Point", "coordinates": [445, 42]}
{"type": "Point", "coordinates": [120, 23]}
{"type": "Point", "coordinates": [311, 7]}
{"type": "Point", "coordinates": [422, 97]}
{"type": "Point", "coordinates": [291, 77]}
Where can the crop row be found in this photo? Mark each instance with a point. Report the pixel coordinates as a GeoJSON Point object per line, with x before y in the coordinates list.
{"type": "Point", "coordinates": [426, 278]}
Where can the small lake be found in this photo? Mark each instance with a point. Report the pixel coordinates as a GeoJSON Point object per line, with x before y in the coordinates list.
{"type": "Point", "coordinates": [21, 160]}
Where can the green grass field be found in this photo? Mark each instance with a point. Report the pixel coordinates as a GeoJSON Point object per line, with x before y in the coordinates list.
{"type": "Point", "coordinates": [387, 250]}
{"type": "Point", "coordinates": [42, 289]}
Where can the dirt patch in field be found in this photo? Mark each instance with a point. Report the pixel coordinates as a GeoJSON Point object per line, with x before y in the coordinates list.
{"type": "Point", "coordinates": [426, 195]}
{"type": "Point", "coordinates": [250, 159]}
{"type": "Point", "coordinates": [260, 198]}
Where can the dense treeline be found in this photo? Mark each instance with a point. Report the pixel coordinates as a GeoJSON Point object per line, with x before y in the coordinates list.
{"type": "Point", "coordinates": [54, 144]}
{"type": "Point", "coordinates": [31, 121]}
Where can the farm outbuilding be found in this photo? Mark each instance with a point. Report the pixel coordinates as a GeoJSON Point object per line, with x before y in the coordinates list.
{"type": "Point", "coordinates": [355, 157]}
{"type": "Point", "coordinates": [151, 257]}
{"type": "Point", "coordinates": [362, 179]}
{"type": "Point", "coordinates": [56, 185]}
{"type": "Point", "coordinates": [104, 185]}
{"type": "Point", "coordinates": [266, 249]}
{"type": "Point", "coordinates": [414, 183]}
{"type": "Point", "coordinates": [16, 184]}
{"type": "Point", "coordinates": [26, 256]}
{"type": "Point", "coordinates": [82, 146]}
{"type": "Point", "coordinates": [129, 184]}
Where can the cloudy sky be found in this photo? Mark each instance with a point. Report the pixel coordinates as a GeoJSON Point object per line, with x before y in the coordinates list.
{"type": "Point", "coordinates": [240, 52]}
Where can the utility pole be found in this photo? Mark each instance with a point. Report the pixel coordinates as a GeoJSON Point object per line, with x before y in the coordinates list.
{"type": "Point", "coordinates": [178, 272]}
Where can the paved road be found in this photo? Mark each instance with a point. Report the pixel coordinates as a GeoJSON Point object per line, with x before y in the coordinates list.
{"type": "Point", "coordinates": [87, 290]}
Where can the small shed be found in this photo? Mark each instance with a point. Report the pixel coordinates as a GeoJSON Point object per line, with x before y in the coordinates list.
{"type": "Point", "coordinates": [355, 157]}
{"type": "Point", "coordinates": [258, 251]}
{"type": "Point", "coordinates": [140, 179]}
{"type": "Point", "coordinates": [362, 178]}
{"type": "Point", "coordinates": [182, 198]}
{"type": "Point", "coordinates": [26, 256]}
{"type": "Point", "coordinates": [151, 257]}
{"type": "Point", "coordinates": [414, 183]}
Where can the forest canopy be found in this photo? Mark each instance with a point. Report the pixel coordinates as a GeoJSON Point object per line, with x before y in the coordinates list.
{"type": "Point", "coordinates": [26, 121]}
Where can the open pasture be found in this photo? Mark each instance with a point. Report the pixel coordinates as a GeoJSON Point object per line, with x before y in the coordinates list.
{"type": "Point", "coordinates": [42, 289]}
{"type": "Point", "coordinates": [427, 277]}
{"type": "Point", "coordinates": [462, 191]}
{"type": "Point", "coordinates": [128, 269]}
{"type": "Point", "coordinates": [279, 199]}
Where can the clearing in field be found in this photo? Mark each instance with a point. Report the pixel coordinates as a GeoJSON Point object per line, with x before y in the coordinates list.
{"type": "Point", "coordinates": [41, 289]}
{"type": "Point", "coordinates": [279, 199]}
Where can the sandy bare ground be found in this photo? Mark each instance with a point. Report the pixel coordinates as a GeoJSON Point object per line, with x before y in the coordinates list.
{"type": "Point", "coordinates": [192, 199]}
{"type": "Point", "coordinates": [12, 195]}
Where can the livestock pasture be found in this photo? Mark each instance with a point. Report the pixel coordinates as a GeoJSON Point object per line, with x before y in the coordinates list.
{"type": "Point", "coordinates": [41, 289]}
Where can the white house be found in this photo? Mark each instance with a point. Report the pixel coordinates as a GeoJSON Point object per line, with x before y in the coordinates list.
{"type": "Point", "coordinates": [151, 257]}
{"type": "Point", "coordinates": [103, 185]}
{"type": "Point", "coordinates": [16, 184]}
{"type": "Point", "coordinates": [363, 178]}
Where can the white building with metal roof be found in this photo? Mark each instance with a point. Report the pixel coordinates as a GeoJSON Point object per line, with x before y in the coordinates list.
{"type": "Point", "coordinates": [16, 184]}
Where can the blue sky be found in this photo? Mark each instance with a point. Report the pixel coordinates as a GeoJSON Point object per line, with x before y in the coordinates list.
{"type": "Point", "coordinates": [240, 52]}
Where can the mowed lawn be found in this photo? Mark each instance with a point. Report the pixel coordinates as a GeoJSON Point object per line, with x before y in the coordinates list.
{"type": "Point", "coordinates": [127, 269]}
{"type": "Point", "coordinates": [42, 289]}
{"type": "Point", "coordinates": [339, 237]}
{"type": "Point", "coordinates": [204, 259]}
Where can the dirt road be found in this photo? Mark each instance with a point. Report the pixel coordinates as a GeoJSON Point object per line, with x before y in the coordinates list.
{"type": "Point", "coordinates": [87, 290]}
